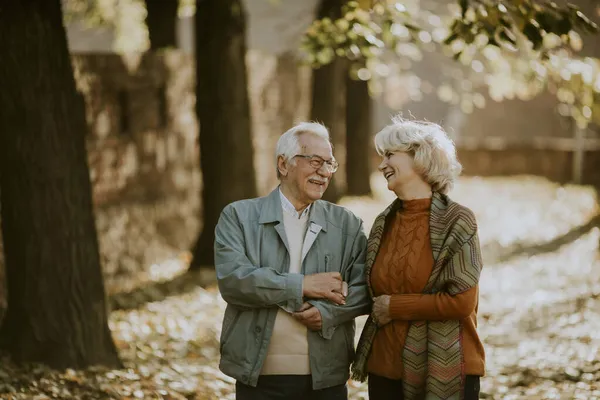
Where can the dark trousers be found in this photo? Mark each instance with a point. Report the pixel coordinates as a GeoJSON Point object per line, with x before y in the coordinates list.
{"type": "Point", "coordinates": [288, 387]}
{"type": "Point", "coordinates": [381, 388]}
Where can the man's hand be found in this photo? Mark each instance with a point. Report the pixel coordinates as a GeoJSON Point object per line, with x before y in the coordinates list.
{"type": "Point", "coordinates": [381, 310]}
{"type": "Point", "coordinates": [309, 316]}
{"type": "Point", "coordinates": [325, 285]}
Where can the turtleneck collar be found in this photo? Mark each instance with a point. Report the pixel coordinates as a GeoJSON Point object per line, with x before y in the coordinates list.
{"type": "Point", "coordinates": [416, 205]}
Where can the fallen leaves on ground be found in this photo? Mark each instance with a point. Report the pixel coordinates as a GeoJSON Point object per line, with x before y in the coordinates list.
{"type": "Point", "coordinates": [169, 348]}
{"type": "Point", "coordinates": [539, 312]}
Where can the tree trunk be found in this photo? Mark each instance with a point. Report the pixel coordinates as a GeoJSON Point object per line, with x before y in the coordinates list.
{"type": "Point", "coordinates": [359, 114]}
{"type": "Point", "coordinates": [161, 19]}
{"type": "Point", "coordinates": [329, 103]}
{"type": "Point", "coordinates": [223, 110]}
{"type": "Point", "coordinates": [56, 302]}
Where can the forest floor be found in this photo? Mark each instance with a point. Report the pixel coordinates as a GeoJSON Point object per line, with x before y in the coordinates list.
{"type": "Point", "coordinates": [539, 312]}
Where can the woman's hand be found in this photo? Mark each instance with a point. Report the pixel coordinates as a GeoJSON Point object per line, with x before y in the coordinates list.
{"type": "Point", "coordinates": [381, 310]}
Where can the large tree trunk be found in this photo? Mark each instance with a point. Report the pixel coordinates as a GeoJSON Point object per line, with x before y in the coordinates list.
{"type": "Point", "coordinates": [329, 104]}
{"type": "Point", "coordinates": [359, 114]}
{"type": "Point", "coordinates": [223, 110]}
{"type": "Point", "coordinates": [56, 303]}
{"type": "Point", "coordinates": [161, 19]}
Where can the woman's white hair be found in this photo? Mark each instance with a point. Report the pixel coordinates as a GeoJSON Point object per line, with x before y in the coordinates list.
{"type": "Point", "coordinates": [433, 151]}
{"type": "Point", "coordinates": [288, 145]}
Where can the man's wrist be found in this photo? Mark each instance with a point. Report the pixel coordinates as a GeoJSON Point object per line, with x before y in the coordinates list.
{"type": "Point", "coordinates": [294, 287]}
{"type": "Point", "coordinates": [327, 328]}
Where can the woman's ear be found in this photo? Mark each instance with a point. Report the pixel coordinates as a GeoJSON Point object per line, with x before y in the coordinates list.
{"type": "Point", "coordinates": [282, 166]}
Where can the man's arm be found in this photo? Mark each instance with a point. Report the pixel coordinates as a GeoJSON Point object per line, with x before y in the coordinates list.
{"type": "Point", "coordinates": [243, 284]}
{"type": "Point", "coordinates": [357, 300]}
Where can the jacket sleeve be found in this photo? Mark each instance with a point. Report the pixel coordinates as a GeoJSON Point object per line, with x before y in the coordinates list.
{"type": "Point", "coordinates": [243, 284]}
{"type": "Point", "coordinates": [357, 301]}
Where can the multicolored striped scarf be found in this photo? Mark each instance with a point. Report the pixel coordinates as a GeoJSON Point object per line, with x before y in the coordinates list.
{"type": "Point", "coordinates": [433, 353]}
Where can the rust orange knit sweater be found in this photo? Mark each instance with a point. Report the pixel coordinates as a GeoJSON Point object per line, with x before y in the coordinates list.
{"type": "Point", "coordinates": [402, 269]}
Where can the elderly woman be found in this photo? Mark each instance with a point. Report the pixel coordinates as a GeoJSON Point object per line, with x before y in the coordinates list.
{"type": "Point", "coordinates": [423, 267]}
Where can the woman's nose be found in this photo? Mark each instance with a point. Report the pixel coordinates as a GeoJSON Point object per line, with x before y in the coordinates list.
{"type": "Point", "coordinates": [382, 165]}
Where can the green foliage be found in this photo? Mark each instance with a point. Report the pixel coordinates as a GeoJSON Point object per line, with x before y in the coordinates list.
{"type": "Point", "coordinates": [514, 48]}
{"type": "Point", "coordinates": [509, 24]}
{"type": "Point", "coordinates": [514, 23]}
{"type": "Point", "coordinates": [359, 34]}
{"type": "Point", "coordinates": [539, 43]}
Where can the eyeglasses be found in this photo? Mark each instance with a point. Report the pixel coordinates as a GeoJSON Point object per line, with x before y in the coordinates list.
{"type": "Point", "coordinates": [317, 162]}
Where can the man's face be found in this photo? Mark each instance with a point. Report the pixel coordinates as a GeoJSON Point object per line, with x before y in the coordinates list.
{"type": "Point", "coordinates": [305, 182]}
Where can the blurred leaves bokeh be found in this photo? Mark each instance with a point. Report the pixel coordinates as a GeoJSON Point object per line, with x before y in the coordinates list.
{"type": "Point", "coordinates": [512, 48]}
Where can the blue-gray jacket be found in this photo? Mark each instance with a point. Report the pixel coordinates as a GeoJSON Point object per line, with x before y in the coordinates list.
{"type": "Point", "coordinates": [252, 264]}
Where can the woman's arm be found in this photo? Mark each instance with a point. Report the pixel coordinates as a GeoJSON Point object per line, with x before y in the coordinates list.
{"type": "Point", "coordinates": [460, 295]}
{"type": "Point", "coordinates": [433, 307]}
{"type": "Point", "coordinates": [457, 300]}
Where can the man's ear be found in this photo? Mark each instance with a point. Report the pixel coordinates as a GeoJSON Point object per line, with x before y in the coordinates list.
{"type": "Point", "coordinates": [282, 166]}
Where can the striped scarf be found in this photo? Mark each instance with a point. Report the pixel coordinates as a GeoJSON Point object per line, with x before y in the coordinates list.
{"type": "Point", "coordinates": [433, 355]}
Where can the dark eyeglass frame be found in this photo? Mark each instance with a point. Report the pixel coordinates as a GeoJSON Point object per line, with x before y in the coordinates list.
{"type": "Point", "coordinates": [317, 162]}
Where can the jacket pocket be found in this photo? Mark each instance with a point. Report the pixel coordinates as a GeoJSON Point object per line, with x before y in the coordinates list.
{"type": "Point", "coordinates": [328, 264]}
{"type": "Point", "coordinates": [338, 350]}
{"type": "Point", "coordinates": [229, 322]}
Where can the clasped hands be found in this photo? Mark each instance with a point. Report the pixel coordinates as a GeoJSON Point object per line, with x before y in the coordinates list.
{"type": "Point", "coordinates": [325, 285]}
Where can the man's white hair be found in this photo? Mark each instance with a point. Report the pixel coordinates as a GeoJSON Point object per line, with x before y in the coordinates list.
{"type": "Point", "coordinates": [288, 145]}
{"type": "Point", "coordinates": [433, 151]}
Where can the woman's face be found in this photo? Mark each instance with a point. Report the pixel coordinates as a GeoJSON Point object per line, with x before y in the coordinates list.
{"type": "Point", "coordinates": [397, 168]}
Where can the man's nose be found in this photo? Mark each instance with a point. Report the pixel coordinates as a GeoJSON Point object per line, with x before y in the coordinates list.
{"type": "Point", "coordinates": [324, 171]}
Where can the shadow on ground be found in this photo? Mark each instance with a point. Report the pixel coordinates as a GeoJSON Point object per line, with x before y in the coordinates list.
{"type": "Point", "coordinates": [159, 291]}
{"type": "Point", "coordinates": [498, 254]}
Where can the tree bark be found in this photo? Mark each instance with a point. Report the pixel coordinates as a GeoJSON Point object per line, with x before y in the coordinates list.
{"type": "Point", "coordinates": [223, 110]}
{"type": "Point", "coordinates": [161, 20]}
{"type": "Point", "coordinates": [359, 114]}
{"type": "Point", "coordinates": [329, 103]}
{"type": "Point", "coordinates": [56, 301]}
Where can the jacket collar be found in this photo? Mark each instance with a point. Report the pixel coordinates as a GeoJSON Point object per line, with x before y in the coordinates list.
{"type": "Point", "coordinates": [317, 215]}
{"type": "Point", "coordinates": [271, 211]}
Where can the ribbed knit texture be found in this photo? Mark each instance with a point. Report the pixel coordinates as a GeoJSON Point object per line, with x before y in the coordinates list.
{"type": "Point", "coordinates": [402, 269]}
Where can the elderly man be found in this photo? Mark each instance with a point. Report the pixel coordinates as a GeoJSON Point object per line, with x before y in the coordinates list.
{"type": "Point", "coordinates": [291, 268]}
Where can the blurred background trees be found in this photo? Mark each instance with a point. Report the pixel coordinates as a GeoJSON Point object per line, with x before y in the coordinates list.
{"type": "Point", "coordinates": [161, 22]}
{"type": "Point", "coordinates": [223, 110]}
